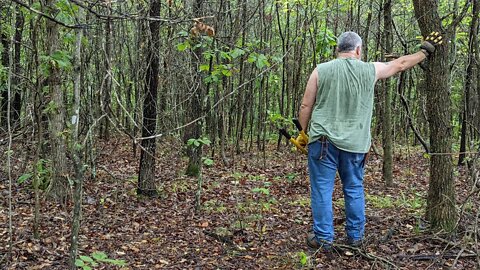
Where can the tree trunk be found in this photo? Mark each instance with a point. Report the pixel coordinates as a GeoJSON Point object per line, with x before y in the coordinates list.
{"type": "Point", "coordinates": [17, 102]}
{"type": "Point", "coordinates": [441, 210]}
{"type": "Point", "coordinates": [194, 109]}
{"type": "Point", "coordinates": [59, 183]}
{"type": "Point", "coordinates": [107, 78]}
{"type": "Point", "coordinates": [387, 107]}
{"type": "Point", "coordinates": [76, 150]}
{"type": "Point", "coordinates": [146, 177]}
{"type": "Point", "coordinates": [469, 82]}
{"type": "Point", "coordinates": [5, 62]}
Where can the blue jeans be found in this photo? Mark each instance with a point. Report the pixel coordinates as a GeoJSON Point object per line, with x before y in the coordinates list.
{"type": "Point", "coordinates": [324, 159]}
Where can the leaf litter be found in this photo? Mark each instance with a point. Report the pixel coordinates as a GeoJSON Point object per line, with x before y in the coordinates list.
{"type": "Point", "coordinates": [255, 215]}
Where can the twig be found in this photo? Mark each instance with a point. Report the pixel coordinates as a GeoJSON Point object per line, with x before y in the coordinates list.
{"type": "Point", "coordinates": [412, 126]}
{"type": "Point", "coordinates": [107, 171]}
{"type": "Point", "coordinates": [214, 106]}
{"type": "Point", "coordinates": [456, 259]}
{"type": "Point", "coordinates": [48, 16]}
{"type": "Point", "coordinates": [428, 257]}
{"type": "Point", "coordinates": [366, 255]}
{"type": "Point", "coordinates": [223, 239]}
{"type": "Point", "coordinates": [3, 258]}
{"type": "Point", "coordinates": [476, 238]}
{"type": "Point", "coordinates": [462, 15]}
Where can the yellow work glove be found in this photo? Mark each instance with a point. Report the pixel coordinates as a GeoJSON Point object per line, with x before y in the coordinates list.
{"type": "Point", "coordinates": [302, 139]}
{"type": "Point", "coordinates": [431, 41]}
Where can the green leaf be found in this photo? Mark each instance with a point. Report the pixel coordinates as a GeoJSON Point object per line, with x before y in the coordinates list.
{"type": "Point", "coordinates": [79, 263]}
{"type": "Point", "coordinates": [227, 73]}
{"type": "Point", "coordinates": [182, 34]}
{"type": "Point", "coordinates": [116, 262]}
{"type": "Point", "coordinates": [205, 67]}
{"type": "Point", "coordinates": [262, 61]}
{"type": "Point", "coordinates": [261, 190]}
{"type": "Point", "coordinates": [303, 258]}
{"type": "Point", "coordinates": [86, 259]}
{"type": "Point", "coordinates": [208, 55]}
{"type": "Point", "coordinates": [183, 46]}
{"type": "Point", "coordinates": [62, 59]}
{"type": "Point", "coordinates": [99, 256]}
{"type": "Point", "coordinates": [24, 178]}
{"type": "Point", "coordinates": [190, 142]}
{"type": "Point", "coordinates": [208, 162]}
{"type": "Point", "coordinates": [252, 58]}
{"type": "Point", "coordinates": [225, 55]}
{"type": "Point", "coordinates": [237, 52]}
{"type": "Point", "coordinates": [205, 141]}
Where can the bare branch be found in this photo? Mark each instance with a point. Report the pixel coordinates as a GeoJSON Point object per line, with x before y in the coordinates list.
{"type": "Point", "coordinates": [48, 16]}
{"type": "Point", "coordinates": [458, 19]}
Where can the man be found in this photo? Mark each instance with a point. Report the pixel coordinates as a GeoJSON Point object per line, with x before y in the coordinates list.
{"type": "Point", "coordinates": [337, 107]}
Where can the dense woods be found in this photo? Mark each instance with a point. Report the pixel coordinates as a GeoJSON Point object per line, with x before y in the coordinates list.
{"type": "Point", "coordinates": [176, 91]}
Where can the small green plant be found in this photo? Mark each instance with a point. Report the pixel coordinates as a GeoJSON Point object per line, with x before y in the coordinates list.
{"type": "Point", "coordinates": [198, 142]}
{"type": "Point", "coordinates": [302, 202]}
{"type": "Point", "coordinates": [43, 171]}
{"type": "Point", "coordinates": [207, 162]}
{"type": "Point", "coordinates": [380, 202]}
{"type": "Point", "coordinates": [261, 190]}
{"type": "Point", "coordinates": [264, 199]}
{"type": "Point", "coordinates": [412, 203]}
{"type": "Point", "coordinates": [196, 169]}
{"type": "Point", "coordinates": [302, 258]}
{"type": "Point", "coordinates": [256, 177]}
{"type": "Point", "coordinates": [340, 202]}
{"type": "Point", "coordinates": [97, 258]}
{"type": "Point", "coordinates": [291, 177]}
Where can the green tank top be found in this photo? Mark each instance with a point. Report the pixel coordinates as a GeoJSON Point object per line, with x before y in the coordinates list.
{"type": "Point", "coordinates": [344, 104]}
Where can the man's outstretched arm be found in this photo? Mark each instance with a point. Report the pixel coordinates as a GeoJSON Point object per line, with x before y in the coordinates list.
{"type": "Point", "coordinates": [388, 69]}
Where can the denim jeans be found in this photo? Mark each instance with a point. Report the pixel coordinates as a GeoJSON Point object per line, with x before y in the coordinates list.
{"type": "Point", "coordinates": [324, 159]}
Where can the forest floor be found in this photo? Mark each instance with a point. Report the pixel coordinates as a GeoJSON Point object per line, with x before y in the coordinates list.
{"type": "Point", "coordinates": [255, 214]}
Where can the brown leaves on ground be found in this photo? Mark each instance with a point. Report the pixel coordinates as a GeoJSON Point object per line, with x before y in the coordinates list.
{"type": "Point", "coordinates": [255, 215]}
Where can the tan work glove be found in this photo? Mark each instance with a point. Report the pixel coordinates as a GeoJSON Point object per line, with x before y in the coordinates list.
{"type": "Point", "coordinates": [431, 41]}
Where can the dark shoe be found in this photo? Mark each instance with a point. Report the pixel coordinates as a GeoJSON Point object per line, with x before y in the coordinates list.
{"type": "Point", "coordinates": [312, 242]}
{"type": "Point", "coordinates": [355, 243]}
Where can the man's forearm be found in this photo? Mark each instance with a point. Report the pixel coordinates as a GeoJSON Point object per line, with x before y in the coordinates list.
{"type": "Point", "coordinates": [304, 116]}
{"type": "Point", "coordinates": [408, 61]}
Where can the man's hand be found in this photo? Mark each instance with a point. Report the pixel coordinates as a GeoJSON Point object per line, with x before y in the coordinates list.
{"type": "Point", "coordinates": [430, 42]}
{"type": "Point", "coordinates": [301, 140]}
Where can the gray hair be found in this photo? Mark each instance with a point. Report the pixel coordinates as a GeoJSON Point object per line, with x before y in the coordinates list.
{"type": "Point", "coordinates": [348, 41]}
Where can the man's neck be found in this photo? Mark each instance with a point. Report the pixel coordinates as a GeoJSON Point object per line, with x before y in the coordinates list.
{"type": "Point", "coordinates": [344, 55]}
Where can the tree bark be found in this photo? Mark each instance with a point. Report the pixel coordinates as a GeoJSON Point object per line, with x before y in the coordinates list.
{"type": "Point", "coordinates": [76, 150]}
{"type": "Point", "coordinates": [146, 177]}
{"type": "Point", "coordinates": [441, 210]}
{"type": "Point", "coordinates": [467, 116]}
{"type": "Point", "coordinates": [194, 109]}
{"type": "Point", "coordinates": [17, 102]}
{"type": "Point", "coordinates": [387, 110]}
{"type": "Point", "coordinates": [107, 79]}
{"type": "Point", "coordinates": [59, 183]}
